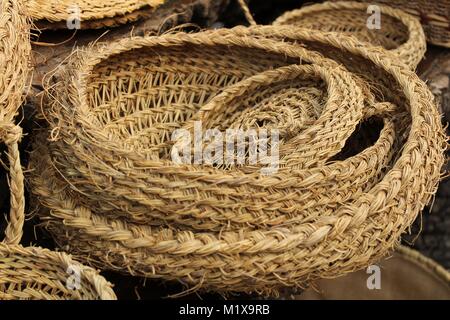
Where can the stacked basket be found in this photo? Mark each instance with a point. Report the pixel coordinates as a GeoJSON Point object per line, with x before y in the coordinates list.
{"type": "Point", "coordinates": [91, 14]}
{"type": "Point", "coordinates": [112, 195]}
{"type": "Point", "coordinates": [30, 273]}
{"type": "Point", "coordinates": [397, 31]}
{"type": "Point", "coordinates": [434, 16]}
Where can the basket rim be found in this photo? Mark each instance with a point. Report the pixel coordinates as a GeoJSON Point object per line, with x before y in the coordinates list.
{"type": "Point", "coordinates": [103, 288]}
{"type": "Point", "coordinates": [57, 11]}
{"type": "Point", "coordinates": [416, 35]}
{"type": "Point", "coordinates": [13, 94]}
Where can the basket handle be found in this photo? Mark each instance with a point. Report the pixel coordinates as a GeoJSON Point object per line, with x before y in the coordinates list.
{"type": "Point", "coordinates": [247, 12]}
{"type": "Point", "coordinates": [11, 134]}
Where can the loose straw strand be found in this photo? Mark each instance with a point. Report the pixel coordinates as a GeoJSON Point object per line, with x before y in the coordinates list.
{"type": "Point", "coordinates": [247, 12]}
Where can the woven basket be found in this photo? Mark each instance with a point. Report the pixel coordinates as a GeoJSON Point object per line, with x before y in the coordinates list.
{"type": "Point", "coordinates": [406, 275]}
{"type": "Point", "coordinates": [399, 32]}
{"type": "Point", "coordinates": [29, 273]}
{"type": "Point", "coordinates": [92, 14]}
{"type": "Point", "coordinates": [111, 195]}
{"type": "Point", "coordinates": [434, 16]}
{"type": "Point", "coordinates": [40, 274]}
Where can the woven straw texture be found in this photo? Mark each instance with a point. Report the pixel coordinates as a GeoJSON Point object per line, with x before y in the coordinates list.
{"type": "Point", "coordinates": [111, 195]}
{"type": "Point", "coordinates": [39, 274]}
{"type": "Point", "coordinates": [434, 16]}
{"type": "Point", "coordinates": [29, 273]}
{"type": "Point", "coordinates": [93, 14]}
{"type": "Point", "coordinates": [399, 32]}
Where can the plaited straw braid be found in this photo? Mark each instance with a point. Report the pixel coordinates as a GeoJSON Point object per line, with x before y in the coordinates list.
{"type": "Point", "coordinates": [29, 273]}
{"type": "Point", "coordinates": [11, 135]}
{"type": "Point", "coordinates": [54, 14]}
{"type": "Point", "coordinates": [41, 274]}
{"type": "Point", "coordinates": [111, 195]}
{"type": "Point", "coordinates": [399, 32]}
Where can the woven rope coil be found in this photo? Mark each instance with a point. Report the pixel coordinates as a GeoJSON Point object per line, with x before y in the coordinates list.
{"type": "Point", "coordinates": [434, 16]}
{"type": "Point", "coordinates": [14, 53]}
{"type": "Point", "coordinates": [399, 32]}
{"type": "Point", "coordinates": [29, 273]}
{"type": "Point", "coordinates": [55, 14]}
{"type": "Point", "coordinates": [111, 195]}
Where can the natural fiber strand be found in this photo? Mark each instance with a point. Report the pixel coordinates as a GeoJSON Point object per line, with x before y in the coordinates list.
{"type": "Point", "coordinates": [434, 16]}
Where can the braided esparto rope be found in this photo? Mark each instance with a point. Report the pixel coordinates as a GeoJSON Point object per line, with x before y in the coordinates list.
{"type": "Point", "coordinates": [15, 50]}
{"type": "Point", "coordinates": [111, 195]}
{"type": "Point", "coordinates": [11, 134]}
{"type": "Point", "coordinates": [433, 15]}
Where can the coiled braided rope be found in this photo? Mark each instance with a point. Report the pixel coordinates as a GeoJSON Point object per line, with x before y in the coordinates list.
{"type": "Point", "coordinates": [399, 32]}
{"type": "Point", "coordinates": [30, 273]}
{"type": "Point", "coordinates": [111, 195]}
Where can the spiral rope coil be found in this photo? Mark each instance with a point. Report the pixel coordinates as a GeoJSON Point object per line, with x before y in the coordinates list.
{"type": "Point", "coordinates": [111, 195]}
{"type": "Point", "coordinates": [91, 14]}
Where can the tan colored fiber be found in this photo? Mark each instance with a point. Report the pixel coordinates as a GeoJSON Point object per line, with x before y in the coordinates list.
{"type": "Point", "coordinates": [29, 273]}
{"type": "Point", "coordinates": [40, 274]}
{"type": "Point", "coordinates": [14, 53]}
{"type": "Point", "coordinates": [111, 195]}
{"type": "Point", "coordinates": [434, 16]}
{"type": "Point", "coordinates": [399, 32]}
{"type": "Point", "coordinates": [93, 13]}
